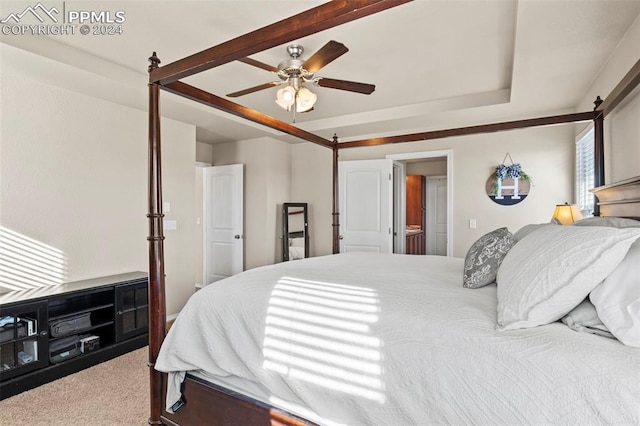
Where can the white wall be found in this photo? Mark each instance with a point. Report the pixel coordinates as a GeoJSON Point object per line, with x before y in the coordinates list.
{"type": "Point", "coordinates": [73, 177]}
{"type": "Point", "coordinates": [546, 154]}
{"type": "Point", "coordinates": [267, 174]}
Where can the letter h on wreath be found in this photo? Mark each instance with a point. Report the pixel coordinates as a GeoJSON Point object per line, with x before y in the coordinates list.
{"type": "Point", "coordinates": [515, 195]}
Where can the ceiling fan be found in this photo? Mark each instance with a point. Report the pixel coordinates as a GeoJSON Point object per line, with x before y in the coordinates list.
{"type": "Point", "coordinates": [295, 72]}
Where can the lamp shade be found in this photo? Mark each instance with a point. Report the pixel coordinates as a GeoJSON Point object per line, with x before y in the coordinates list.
{"type": "Point", "coordinates": [286, 97]}
{"type": "Point", "coordinates": [305, 99]}
{"type": "Point", "coordinates": [567, 213]}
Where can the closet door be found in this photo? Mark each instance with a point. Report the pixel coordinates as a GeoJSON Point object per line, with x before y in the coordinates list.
{"type": "Point", "coordinates": [366, 205]}
{"type": "Point", "coordinates": [223, 222]}
{"type": "Point", "coordinates": [437, 215]}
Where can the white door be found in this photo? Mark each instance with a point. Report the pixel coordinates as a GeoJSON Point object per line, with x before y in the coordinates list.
{"type": "Point", "coordinates": [366, 207]}
{"type": "Point", "coordinates": [223, 222]}
{"type": "Point", "coordinates": [399, 211]}
{"type": "Point", "coordinates": [437, 215]}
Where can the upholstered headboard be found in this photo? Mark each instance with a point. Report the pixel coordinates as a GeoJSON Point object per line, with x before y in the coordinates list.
{"type": "Point", "coordinates": [620, 199]}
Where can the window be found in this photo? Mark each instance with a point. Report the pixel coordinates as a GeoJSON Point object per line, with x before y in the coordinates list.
{"type": "Point", "coordinates": [584, 173]}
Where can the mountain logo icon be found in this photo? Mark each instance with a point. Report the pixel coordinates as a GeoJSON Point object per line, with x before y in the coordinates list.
{"type": "Point", "coordinates": [38, 11]}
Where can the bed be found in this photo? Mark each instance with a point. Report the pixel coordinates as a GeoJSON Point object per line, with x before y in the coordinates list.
{"type": "Point", "coordinates": [460, 369]}
{"type": "Point", "coordinates": [370, 339]}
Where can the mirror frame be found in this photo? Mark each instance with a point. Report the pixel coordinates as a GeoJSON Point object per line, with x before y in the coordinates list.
{"type": "Point", "coordinates": [285, 228]}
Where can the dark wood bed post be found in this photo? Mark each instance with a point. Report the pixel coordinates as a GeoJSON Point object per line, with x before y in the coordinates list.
{"type": "Point", "coordinates": [598, 150]}
{"type": "Point", "coordinates": [157, 309]}
{"type": "Point", "coordinates": [336, 189]}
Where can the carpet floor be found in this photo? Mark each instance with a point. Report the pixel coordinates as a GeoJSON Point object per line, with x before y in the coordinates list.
{"type": "Point", "coordinates": [115, 392]}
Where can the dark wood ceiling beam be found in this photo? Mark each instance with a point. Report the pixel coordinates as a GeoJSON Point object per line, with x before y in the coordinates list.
{"type": "Point", "coordinates": [472, 130]}
{"type": "Point", "coordinates": [206, 98]}
{"type": "Point", "coordinates": [630, 81]}
{"type": "Point", "coordinates": [314, 20]}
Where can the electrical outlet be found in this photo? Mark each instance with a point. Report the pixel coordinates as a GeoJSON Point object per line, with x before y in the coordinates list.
{"type": "Point", "coordinates": [472, 224]}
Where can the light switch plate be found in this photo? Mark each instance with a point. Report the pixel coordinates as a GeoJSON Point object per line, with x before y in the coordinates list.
{"type": "Point", "coordinates": [170, 225]}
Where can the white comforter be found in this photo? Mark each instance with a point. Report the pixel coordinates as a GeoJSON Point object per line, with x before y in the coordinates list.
{"type": "Point", "coordinates": [370, 339]}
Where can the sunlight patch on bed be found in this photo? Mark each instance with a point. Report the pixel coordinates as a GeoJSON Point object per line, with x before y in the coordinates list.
{"type": "Point", "coordinates": [26, 263]}
{"type": "Point", "coordinates": [323, 310]}
{"type": "Point", "coordinates": [320, 333]}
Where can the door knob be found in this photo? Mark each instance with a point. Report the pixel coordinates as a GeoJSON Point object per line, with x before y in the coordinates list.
{"type": "Point", "coordinates": [237, 236]}
{"type": "Point", "coordinates": [341, 237]}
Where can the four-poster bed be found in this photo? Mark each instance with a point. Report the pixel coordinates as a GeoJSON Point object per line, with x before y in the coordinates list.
{"type": "Point", "coordinates": [207, 403]}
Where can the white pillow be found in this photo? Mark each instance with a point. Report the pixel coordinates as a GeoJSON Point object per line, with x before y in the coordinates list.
{"type": "Point", "coordinates": [584, 318]}
{"type": "Point", "coordinates": [617, 299]}
{"type": "Point", "coordinates": [553, 269]}
{"type": "Point", "coordinates": [527, 229]}
{"type": "Point", "coordinates": [612, 221]}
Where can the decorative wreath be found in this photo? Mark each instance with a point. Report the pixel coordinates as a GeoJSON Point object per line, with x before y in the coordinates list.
{"type": "Point", "coordinates": [513, 171]}
{"type": "Point", "coordinates": [504, 171]}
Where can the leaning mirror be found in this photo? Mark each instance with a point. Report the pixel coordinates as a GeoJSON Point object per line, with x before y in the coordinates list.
{"type": "Point", "coordinates": [295, 235]}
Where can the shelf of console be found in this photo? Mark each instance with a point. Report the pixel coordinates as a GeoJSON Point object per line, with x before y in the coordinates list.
{"type": "Point", "coordinates": [77, 325]}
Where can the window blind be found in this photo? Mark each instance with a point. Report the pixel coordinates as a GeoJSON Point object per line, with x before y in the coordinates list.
{"type": "Point", "coordinates": [585, 173]}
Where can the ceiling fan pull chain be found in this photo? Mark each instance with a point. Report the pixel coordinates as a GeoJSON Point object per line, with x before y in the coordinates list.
{"type": "Point", "coordinates": [295, 103]}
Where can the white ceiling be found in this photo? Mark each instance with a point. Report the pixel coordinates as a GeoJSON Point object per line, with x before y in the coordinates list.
{"type": "Point", "coordinates": [435, 64]}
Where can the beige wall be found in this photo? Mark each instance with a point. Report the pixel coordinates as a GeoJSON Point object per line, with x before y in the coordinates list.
{"type": "Point", "coordinates": [427, 168]}
{"type": "Point", "coordinates": [267, 174]}
{"type": "Point", "coordinates": [545, 153]}
{"type": "Point", "coordinates": [204, 153]}
{"type": "Point", "coordinates": [73, 177]}
{"type": "Point", "coordinates": [312, 182]}
{"type": "Point", "coordinates": [622, 135]}
{"type": "Point", "coordinates": [622, 128]}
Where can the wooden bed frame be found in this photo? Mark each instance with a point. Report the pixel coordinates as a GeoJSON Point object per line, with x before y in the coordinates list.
{"type": "Point", "coordinates": [205, 403]}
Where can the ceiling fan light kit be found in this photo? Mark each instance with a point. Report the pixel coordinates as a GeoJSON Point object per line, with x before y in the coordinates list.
{"type": "Point", "coordinates": [295, 72]}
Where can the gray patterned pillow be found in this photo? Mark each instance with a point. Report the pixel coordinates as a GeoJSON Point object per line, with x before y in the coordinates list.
{"type": "Point", "coordinates": [484, 258]}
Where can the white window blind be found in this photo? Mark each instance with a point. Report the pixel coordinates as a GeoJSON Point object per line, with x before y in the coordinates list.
{"type": "Point", "coordinates": [584, 173]}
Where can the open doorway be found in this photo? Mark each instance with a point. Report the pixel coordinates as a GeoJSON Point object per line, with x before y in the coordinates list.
{"type": "Point", "coordinates": [425, 203]}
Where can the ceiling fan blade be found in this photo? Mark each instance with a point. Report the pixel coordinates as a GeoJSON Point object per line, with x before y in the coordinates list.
{"type": "Point", "coordinates": [254, 89]}
{"type": "Point", "coordinates": [258, 64]}
{"type": "Point", "coordinates": [328, 53]}
{"type": "Point", "coordinates": [350, 86]}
